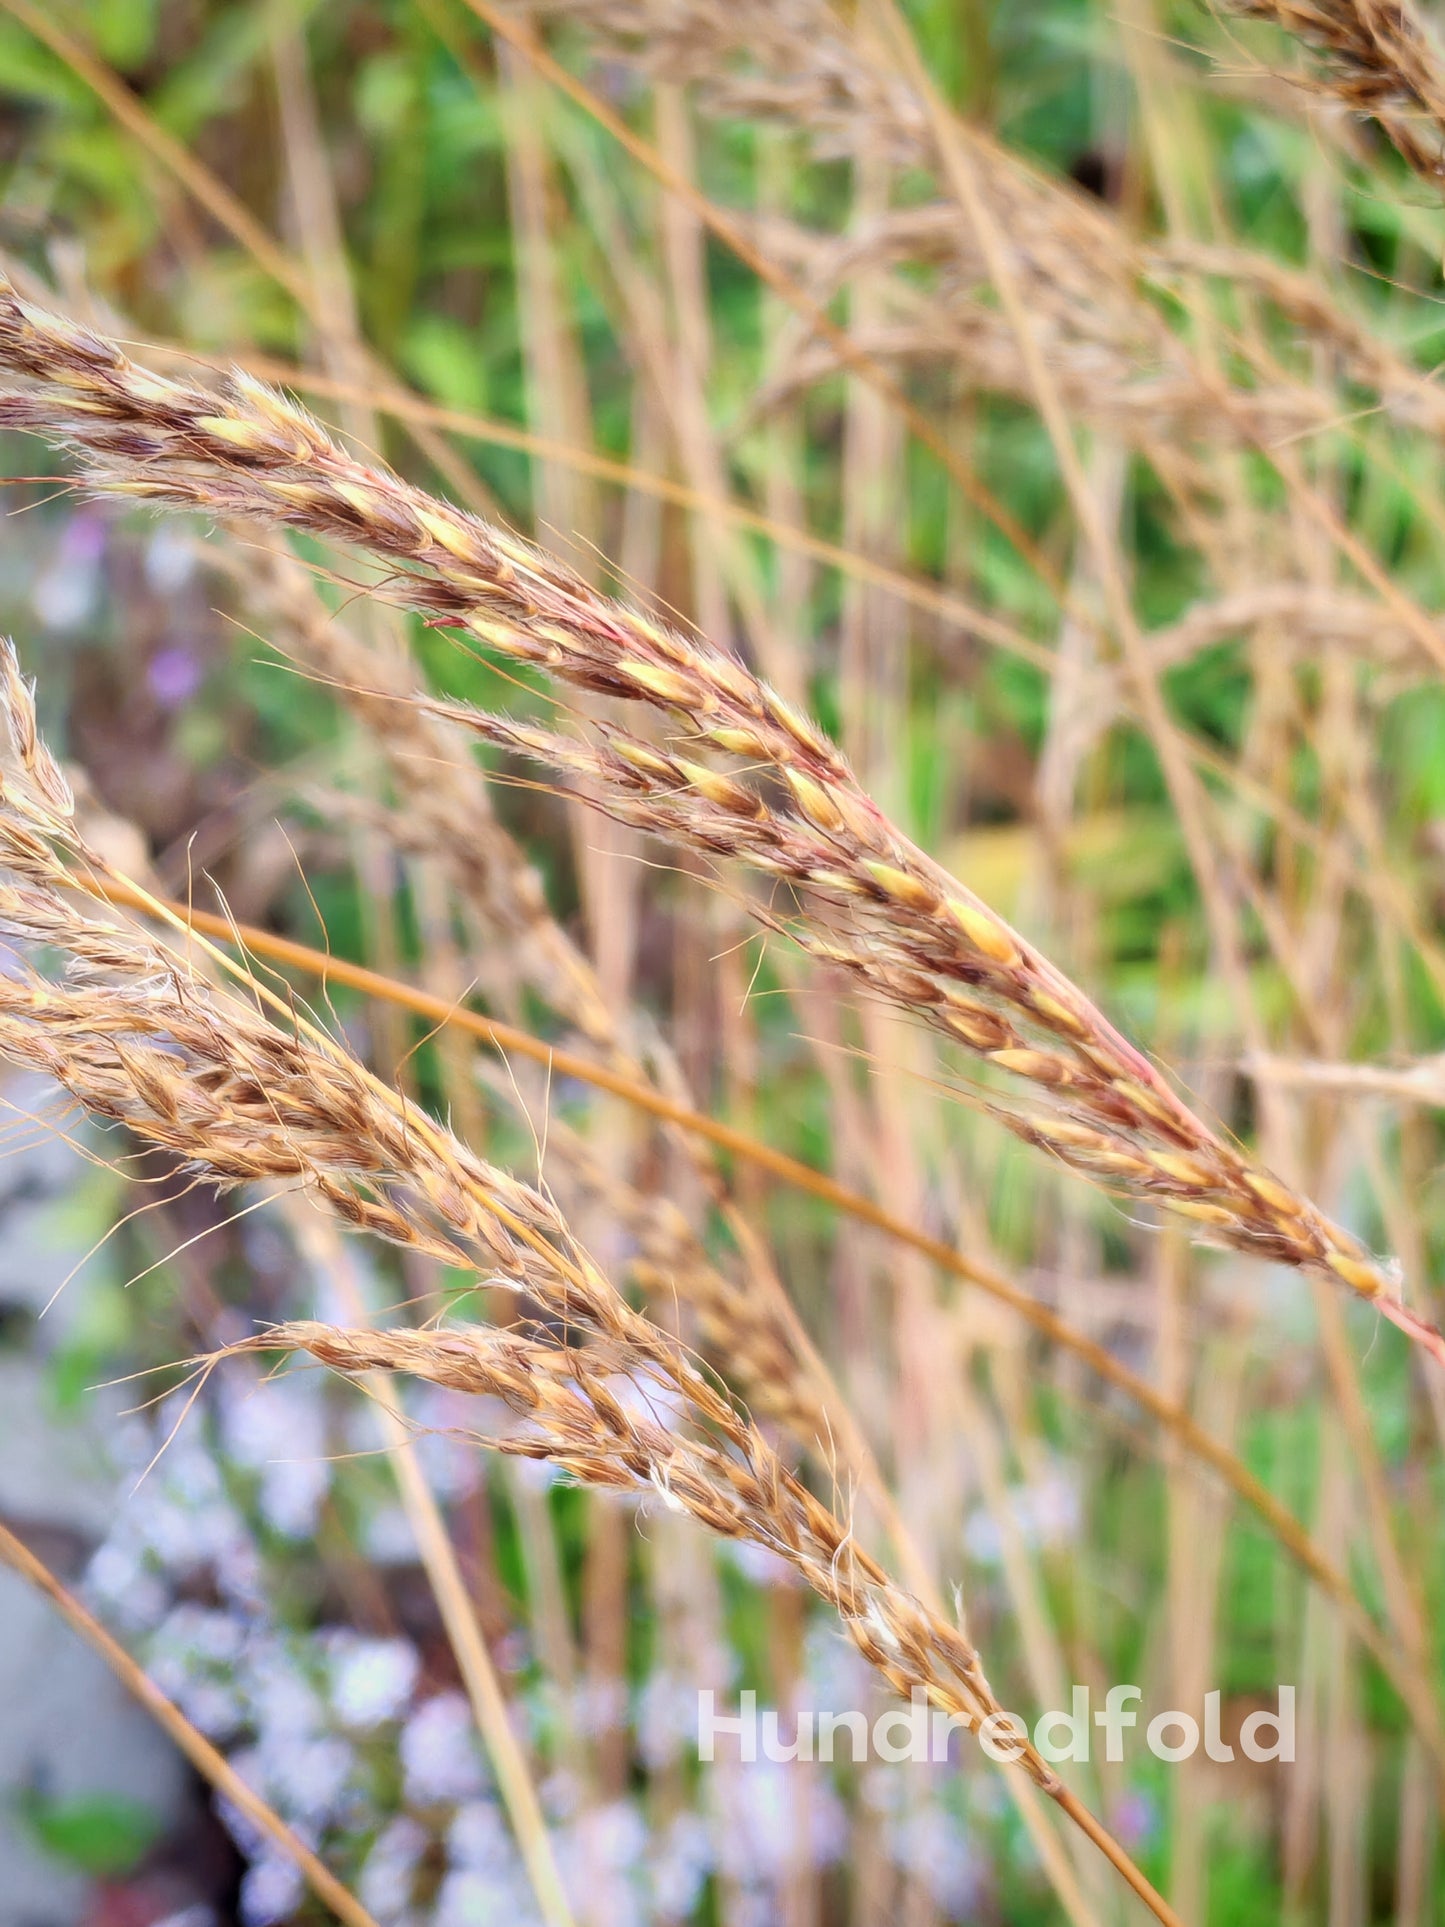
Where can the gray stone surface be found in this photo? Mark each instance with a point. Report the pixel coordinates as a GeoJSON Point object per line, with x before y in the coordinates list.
{"type": "Point", "coordinates": [68, 1730]}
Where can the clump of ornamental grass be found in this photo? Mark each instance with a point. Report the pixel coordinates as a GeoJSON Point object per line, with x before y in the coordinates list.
{"type": "Point", "coordinates": [745, 776]}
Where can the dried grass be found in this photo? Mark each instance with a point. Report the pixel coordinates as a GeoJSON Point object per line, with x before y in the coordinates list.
{"type": "Point", "coordinates": [786, 803]}
{"type": "Point", "coordinates": [1375, 57]}
{"type": "Point", "coordinates": [137, 1038]}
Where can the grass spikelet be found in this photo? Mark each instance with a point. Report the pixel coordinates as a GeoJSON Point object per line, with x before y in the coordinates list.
{"type": "Point", "coordinates": [1376, 58]}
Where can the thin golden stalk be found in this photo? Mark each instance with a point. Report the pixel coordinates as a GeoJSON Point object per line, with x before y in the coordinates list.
{"type": "Point", "coordinates": [212, 1766]}
{"type": "Point", "coordinates": [454, 1603]}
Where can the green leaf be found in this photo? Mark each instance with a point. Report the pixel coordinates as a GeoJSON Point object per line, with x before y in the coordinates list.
{"type": "Point", "coordinates": [101, 1834]}
{"type": "Point", "coordinates": [122, 31]}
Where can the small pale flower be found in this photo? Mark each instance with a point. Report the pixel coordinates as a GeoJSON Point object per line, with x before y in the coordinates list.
{"type": "Point", "coordinates": [439, 1755]}
{"type": "Point", "coordinates": [372, 1680]}
{"type": "Point", "coordinates": [389, 1875]}
{"type": "Point", "coordinates": [271, 1892]}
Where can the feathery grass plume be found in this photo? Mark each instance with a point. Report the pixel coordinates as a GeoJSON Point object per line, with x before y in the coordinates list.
{"type": "Point", "coordinates": [135, 1037]}
{"type": "Point", "coordinates": [745, 1320]}
{"type": "Point", "coordinates": [606, 1422]}
{"type": "Point", "coordinates": [1376, 58]}
{"type": "Point", "coordinates": [804, 65]}
{"type": "Point", "coordinates": [787, 805]}
{"type": "Point", "coordinates": [609, 1419]}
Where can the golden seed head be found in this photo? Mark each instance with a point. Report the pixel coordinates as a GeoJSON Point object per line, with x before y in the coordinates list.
{"type": "Point", "coordinates": [301, 495]}
{"type": "Point", "coordinates": [980, 1030]}
{"type": "Point", "coordinates": [234, 431]}
{"type": "Point", "coordinates": [1271, 1192]}
{"type": "Point", "coordinates": [833, 953]}
{"type": "Point", "coordinates": [447, 533]}
{"type": "Point", "coordinates": [1039, 1065]}
{"type": "Point", "coordinates": [1077, 1137]}
{"type": "Point", "coordinates": [146, 387]}
{"type": "Point", "coordinates": [646, 760]}
{"type": "Point", "coordinates": [984, 931]}
{"type": "Point", "coordinates": [496, 634]}
{"type": "Point", "coordinates": [1119, 1164]}
{"type": "Point", "coordinates": [814, 801]}
{"type": "Point", "coordinates": [357, 497]}
{"type": "Point", "coordinates": [719, 789]}
{"type": "Point", "coordinates": [729, 675]}
{"type": "Point", "coordinates": [797, 725]}
{"type": "Point", "coordinates": [1199, 1209]}
{"type": "Point", "coordinates": [1147, 1100]}
{"type": "Point", "coordinates": [740, 742]}
{"type": "Point", "coordinates": [901, 886]}
{"type": "Point", "coordinates": [1358, 1273]}
{"type": "Point", "coordinates": [862, 822]}
{"type": "Point", "coordinates": [1055, 1014]}
{"type": "Point", "coordinates": [277, 408]}
{"type": "Point", "coordinates": [660, 681]}
{"type": "Point", "coordinates": [1183, 1170]}
{"type": "Point", "coordinates": [836, 880]}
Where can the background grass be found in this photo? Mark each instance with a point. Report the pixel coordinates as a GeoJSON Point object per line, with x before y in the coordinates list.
{"type": "Point", "coordinates": [500, 255]}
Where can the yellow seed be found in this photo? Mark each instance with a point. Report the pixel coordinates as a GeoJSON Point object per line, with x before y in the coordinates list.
{"type": "Point", "coordinates": [730, 675]}
{"type": "Point", "coordinates": [860, 818]}
{"type": "Point", "coordinates": [741, 742]}
{"type": "Point", "coordinates": [1276, 1195]}
{"type": "Point", "coordinates": [984, 931]}
{"type": "Point", "coordinates": [278, 409]}
{"type": "Point", "coordinates": [1118, 1164]}
{"type": "Point", "coordinates": [1146, 1100]}
{"type": "Point", "coordinates": [662, 639]}
{"type": "Point", "coordinates": [1357, 1273]}
{"type": "Point", "coordinates": [837, 880]}
{"type": "Point", "coordinates": [362, 500]}
{"type": "Point", "coordinates": [719, 789]}
{"type": "Point", "coordinates": [147, 387]}
{"type": "Point", "coordinates": [660, 681]}
{"type": "Point", "coordinates": [447, 534]}
{"type": "Point", "coordinates": [814, 801]}
{"type": "Point", "coordinates": [561, 643]}
{"type": "Point", "coordinates": [980, 1031]}
{"type": "Point", "coordinates": [1058, 1016]}
{"type": "Point", "coordinates": [1199, 1209]}
{"type": "Point", "coordinates": [495, 634]}
{"type": "Point", "coordinates": [797, 726]}
{"type": "Point", "coordinates": [1040, 1066]}
{"type": "Point", "coordinates": [302, 494]}
{"type": "Point", "coordinates": [240, 434]}
{"type": "Point", "coordinates": [1183, 1170]}
{"type": "Point", "coordinates": [646, 760]}
{"type": "Point", "coordinates": [1078, 1137]}
{"type": "Point", "coordinates": [833, 953]}
{"type": "Point", "coordinates": [902, 887]}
